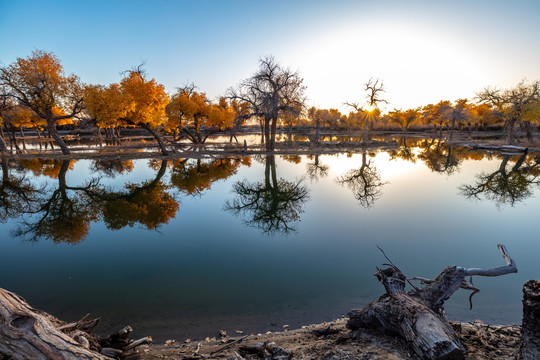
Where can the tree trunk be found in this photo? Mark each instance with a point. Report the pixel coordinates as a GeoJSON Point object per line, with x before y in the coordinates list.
{"type": "Point", "coordinates": [52, 131]}
{"type": "Point", "coordinates": [317, 132]}
{"type": "Point", "coordinates": [162, 146]}
{"type": "Point", "coordinates": [3, 145]}
{"type": "Point", "coordinates": [528, 130]}
{"type": "Point", "coordinates": [400, 314]}
{"type": "Point", "coordinates": [365, 136]}
{"type": "Point", "coordinates": [510, 131]}
{"type": "Point", "coordinates": [418, 315]}
{"type": "Point", "coordinates": [273, 133]}
{"type": "Point", "coordinates": [530, 327]}
{"type": "Point", "coordinates": [267, 133]}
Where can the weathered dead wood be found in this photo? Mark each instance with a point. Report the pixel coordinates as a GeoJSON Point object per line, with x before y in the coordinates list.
{"type": "Point", "coordinates": [229, 345]}
{"type": "Point", "coordinates": [512, 149]}
{"type": "Point", "coordinates": [417, 315]}
{"type": "Point", "coordinates": [28, 333]}
{"type": "Point", "coordinates": [530, 328]}
{"type": "Point", "coordinates": [83, 324]}
{"type": "Point", "coordinates": [267, 350]}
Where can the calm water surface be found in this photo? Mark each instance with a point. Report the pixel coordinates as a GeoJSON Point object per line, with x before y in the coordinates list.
{"type": "Point", "coordinates": [185, 248]}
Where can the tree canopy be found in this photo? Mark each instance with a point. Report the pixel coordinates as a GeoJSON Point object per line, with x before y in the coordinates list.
{"type": "Point", "coordinates": [38, 82]}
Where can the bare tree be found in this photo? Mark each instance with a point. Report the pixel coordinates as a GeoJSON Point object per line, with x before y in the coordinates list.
{"type": "Point", "coordinates": [374, 90]}
{"type": "Point", "coordinates": [513, 104]}
{"type": "Point", "coordinates": [271, 91]}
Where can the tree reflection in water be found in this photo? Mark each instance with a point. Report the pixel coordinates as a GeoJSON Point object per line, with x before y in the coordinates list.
{"type": "Point", "coordinates": [62, 215]}
{"type": "Point", "coordinates": [17, 193]}
{"type": "Point", "coordinates": [148, 204]}
{"type": "Point", "coordinates": [364, 182]}
{"type": "Point", "coordinates": [316, 170]}
{"type": "Point", "coordinates": [440, 157]}
{"type": "Point", "coordinates": [273, 205]}
{"type": "Point", "coordinates": [112, 168]}
{"type": "Point", "coordinates": [405, 150]}
{"type": "Point", "coordinates": [509, 183]}
{"type": "Point", "coordinates": [195, 177]}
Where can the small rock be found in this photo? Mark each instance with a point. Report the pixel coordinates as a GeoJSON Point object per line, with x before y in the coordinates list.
{"type": "Point", "coordinates": [238, 331]}
{"type": "Point", "coordinates": [169, 342]}
{"type": "Point", "coordinates": [188, 341]}
{"type": "Point", "coordinates": [222, 333]}
{"type": "Point", "coordinates": [285, 326]}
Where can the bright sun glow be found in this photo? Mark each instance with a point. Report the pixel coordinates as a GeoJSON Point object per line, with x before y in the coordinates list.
{"type": "Point", "coordinates": [370, 108]}
{"type": "Point", "coordinates": [411, 77]}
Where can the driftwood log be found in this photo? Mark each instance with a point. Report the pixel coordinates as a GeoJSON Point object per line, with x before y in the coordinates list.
{"type": "Point", "coordinates": [418, 315]}
{"type": "Point", "coordinates": [530, 327]}
{"type": "Point", "coordinates": [28, 333]}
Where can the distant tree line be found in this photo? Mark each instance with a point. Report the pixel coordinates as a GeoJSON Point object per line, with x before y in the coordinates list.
{"type": "Point", "coordinates": [36, 94]}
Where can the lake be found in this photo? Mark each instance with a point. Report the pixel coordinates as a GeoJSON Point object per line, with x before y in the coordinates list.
{"type": "Point", "coordinates": [184, 248]}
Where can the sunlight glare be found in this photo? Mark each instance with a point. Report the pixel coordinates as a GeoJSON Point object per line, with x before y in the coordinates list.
{"type": "Point", "coordinates": [412, 75]}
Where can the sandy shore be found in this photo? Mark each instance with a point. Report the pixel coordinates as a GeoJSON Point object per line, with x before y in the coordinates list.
{"type": "Point", "coordinates": [332, 341]}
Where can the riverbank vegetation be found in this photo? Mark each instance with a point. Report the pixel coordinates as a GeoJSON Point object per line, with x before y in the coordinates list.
{"type": "Point", "coordinates": [37, 98]}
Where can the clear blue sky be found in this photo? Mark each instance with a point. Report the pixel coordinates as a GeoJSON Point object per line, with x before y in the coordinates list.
{"type": "Point", "coordinates": [424, 51]}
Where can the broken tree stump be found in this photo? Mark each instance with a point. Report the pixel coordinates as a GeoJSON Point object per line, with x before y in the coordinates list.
{"type": "Point", "coordinates": [28, 333]}
{"type": "Point", "coordinates": [530, 327]}
{"type": "Point", "coordinates": [418, 315]}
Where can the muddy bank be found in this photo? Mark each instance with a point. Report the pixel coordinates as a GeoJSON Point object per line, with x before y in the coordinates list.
{"type": "Point", "coordinates": [332, 341]}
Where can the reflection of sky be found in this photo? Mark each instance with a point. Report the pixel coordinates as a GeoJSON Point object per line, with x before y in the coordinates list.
{"type": "Point", "coordinates": [205, 264]}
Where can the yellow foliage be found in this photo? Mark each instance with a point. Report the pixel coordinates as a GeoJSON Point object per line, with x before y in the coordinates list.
{"type": "Point", "coordinates": [45, 167]}
{"type": "Point", "coordinates": [106, 104]}
{"type": "Point", "coordinates": [151, 207]}
{"type": "Point", "coordinates": [146, 100]}
{"type": "Point", "coordinates": [39, 83]}
{"type": "Point", "coordinates": [194, 178]}
{"type": "Point", "coordinates": [191, 111]}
